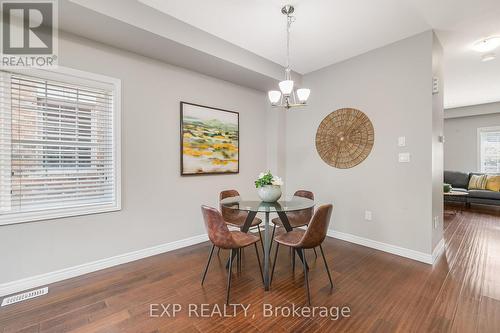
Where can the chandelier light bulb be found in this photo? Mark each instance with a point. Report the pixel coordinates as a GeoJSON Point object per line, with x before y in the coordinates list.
{"type": "Point", "coordinates": [303, 94]}
{"type": "Point", "coordinates": [286, 87]}
{"type": "Point", "coordinates": [274, 96]}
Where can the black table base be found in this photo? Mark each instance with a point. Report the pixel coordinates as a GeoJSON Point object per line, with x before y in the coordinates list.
{"type": "Point", "coordinates": [253, 207]}
{"type": "Point", "coordinates": [267, 242]}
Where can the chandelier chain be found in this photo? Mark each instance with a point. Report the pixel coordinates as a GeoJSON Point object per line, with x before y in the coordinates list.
{"type": "Point", "coordinates": [289, 21]}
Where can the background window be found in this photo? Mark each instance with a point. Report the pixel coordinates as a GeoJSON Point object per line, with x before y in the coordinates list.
{"type": "Point", "coordinates": [489, 149]}
{"type": "Point", "coordinates": [58, 146]}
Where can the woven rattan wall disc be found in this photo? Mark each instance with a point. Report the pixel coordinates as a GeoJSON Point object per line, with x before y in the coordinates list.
{"type": "Point", "coordinates": [345, 138]}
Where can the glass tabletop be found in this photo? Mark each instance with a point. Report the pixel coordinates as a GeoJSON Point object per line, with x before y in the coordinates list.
{"type": "Point", "coordinates": [297, 203]}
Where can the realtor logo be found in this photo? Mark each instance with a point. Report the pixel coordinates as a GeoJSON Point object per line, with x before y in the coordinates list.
{"type": "Point", "coordinates": [29, 33]}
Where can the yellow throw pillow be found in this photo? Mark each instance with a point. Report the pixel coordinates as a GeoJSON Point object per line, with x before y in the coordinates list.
{"type": "Point", "coordinates": [493, 183]}
{"type": "Point", "coordinates": [477, 182]}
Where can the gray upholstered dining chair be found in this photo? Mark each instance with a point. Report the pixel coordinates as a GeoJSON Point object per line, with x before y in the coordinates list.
{"type": "Point", "coordinates": [312, 237]}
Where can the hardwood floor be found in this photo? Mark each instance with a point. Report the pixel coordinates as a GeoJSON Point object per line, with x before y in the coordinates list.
{"type": "Point", "coordinates": [385, 293]}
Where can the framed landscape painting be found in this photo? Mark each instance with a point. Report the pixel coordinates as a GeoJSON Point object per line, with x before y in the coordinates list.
{"type": "Point", "coordinates": [209, 140]}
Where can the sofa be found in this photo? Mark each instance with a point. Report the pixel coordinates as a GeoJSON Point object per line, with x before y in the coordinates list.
{"type": "Point", "coordinates": [460, 182]}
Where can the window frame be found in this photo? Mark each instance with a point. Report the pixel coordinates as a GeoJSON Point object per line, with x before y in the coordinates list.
{"type": "Point", "coordinates": [479, 150]}
{"type": "Point", "coordinates": [78, 77]}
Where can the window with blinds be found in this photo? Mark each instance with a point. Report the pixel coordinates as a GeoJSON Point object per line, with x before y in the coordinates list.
{"type": "Point", "coordinates": [489, 149]}
{"type": "Point", "coordinates": [57, 147]}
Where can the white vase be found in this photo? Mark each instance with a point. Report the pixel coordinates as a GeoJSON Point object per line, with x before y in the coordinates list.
{"type": "Point", "coordinates": [269, 193]}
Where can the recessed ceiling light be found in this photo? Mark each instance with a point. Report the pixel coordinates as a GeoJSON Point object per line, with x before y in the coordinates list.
{"type": "Point", "coordinates": [488, 57]}
{"type": "Point", "coordinates": [487, 44]}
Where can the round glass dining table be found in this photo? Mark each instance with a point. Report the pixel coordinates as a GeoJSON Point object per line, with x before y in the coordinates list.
{"type": "Point", "coordinates": [280, 207]}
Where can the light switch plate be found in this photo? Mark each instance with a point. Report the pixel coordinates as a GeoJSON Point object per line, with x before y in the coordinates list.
{"type": "Point", "coordinates": [435, 85]}
{"type": "Point", "coordinates": [404, 157]}
{"type": "Point", "coordinates": [368, 215]}
{"type": "Point", "coordinates": [402, 141]}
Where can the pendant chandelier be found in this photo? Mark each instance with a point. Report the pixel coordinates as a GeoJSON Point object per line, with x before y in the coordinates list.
{"type": "Point", "coordinates": [287, 97]}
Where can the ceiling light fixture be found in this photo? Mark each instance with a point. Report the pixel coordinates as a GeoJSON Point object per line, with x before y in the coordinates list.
{"type": "Point", "coordinates": [286, 97]}
{"type": "Point", "coordinates": [488, 57]}
{"type": "Point", "coordinates": [486, 44]}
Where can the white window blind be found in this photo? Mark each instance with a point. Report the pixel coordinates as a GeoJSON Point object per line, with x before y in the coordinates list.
{"type": "Point", "coordinates": [489, 149]}
{"type": "Point", "coordinates": [57, 147]}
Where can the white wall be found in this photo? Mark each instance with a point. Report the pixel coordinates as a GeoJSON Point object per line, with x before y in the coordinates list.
{"type": "Point", "coordinates": [275, 145]}
{"type": "Point", "coordinates": [159, 205]}
{"type": "Point", "coordinates": [437, 144]}
{"type": "Point", "coordinates": [392, 85]}
{"type": "Point", "coordinates": [461, 146]}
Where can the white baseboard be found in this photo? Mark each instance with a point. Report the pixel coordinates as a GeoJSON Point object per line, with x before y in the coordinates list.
{"type": "Point", "coordinates": [397, 250]}
{"type": "Point", "coordinates": [438, 250]}
{"type": "Point", "coordinates": [66, 273]}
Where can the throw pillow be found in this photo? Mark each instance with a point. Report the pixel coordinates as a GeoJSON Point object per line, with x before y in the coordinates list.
{"type": "Point", "coordinates": [477, 182]}
{"type": "Point", "coordinates": [493, 183]}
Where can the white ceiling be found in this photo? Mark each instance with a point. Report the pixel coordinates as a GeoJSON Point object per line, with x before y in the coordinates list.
{"type": "Point", "coordinates": [329, 31]}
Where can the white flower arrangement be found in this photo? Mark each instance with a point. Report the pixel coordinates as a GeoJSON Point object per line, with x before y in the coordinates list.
{"type": "Point", "coordinates": [266, 178]}
{"type": "Point", "coordinates": [277, 181]}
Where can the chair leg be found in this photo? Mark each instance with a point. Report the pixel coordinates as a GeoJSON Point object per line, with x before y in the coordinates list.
{"type": "Point", "coordinates": [241, 258]}
{"type": "Point", "coordinates": [306, 278]}
{"type": "Point", "coordinates": [208, 263]}
{"type": "Point", "coordinates": [229, 276]}
{"type": "Point", "coordinates": [258, 260]}
{"type": "Point", "coordinates": [238, 260]}
{"type": "Point", "coordinates": [272, 237]}
{"type": "Point", "coordinates": [274, 261]}
{"type": "Point", "coordinates": [261, 241]}
{"type": "Point", "coordinates": [326, 266]}
{"type": "Point", "coordinates": [218, 251]}
{"type": "Point", "coordinates": [293, 259]}
{"type": "Point", "coordinates": [315, 253]}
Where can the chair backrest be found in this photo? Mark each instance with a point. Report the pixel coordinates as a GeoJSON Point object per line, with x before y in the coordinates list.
{"type": "Point", "coordinates": [228, 193]}
{"type": "Point", "coordinates": [304, 215]}
{"type": "Point", "coordinates": [227, 213]}
{"type": "Point", "coordinates": [318, 227]}
{"type": "Point", "coordinates": [304, 194]}
{"type": "Point", "coordinates": [217, 230]}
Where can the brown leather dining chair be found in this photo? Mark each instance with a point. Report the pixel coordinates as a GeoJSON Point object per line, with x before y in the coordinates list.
{"type": "Point", "coordinates": [307, 239]}
{"type": "Point", "coordinates": [220, 236]}
{"type": "Point", "coordinates": [297, 219]}
{"type": "Point", "coordinates": [236, 218]}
